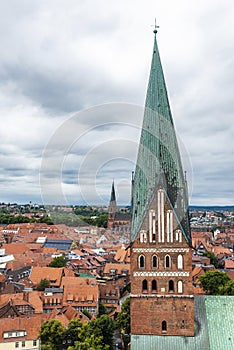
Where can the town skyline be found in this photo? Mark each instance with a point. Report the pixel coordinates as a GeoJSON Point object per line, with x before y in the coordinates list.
{"type": "Point", "coordinates": [71, 62]}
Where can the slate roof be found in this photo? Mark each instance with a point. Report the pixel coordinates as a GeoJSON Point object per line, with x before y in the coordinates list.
{"type": "Point", "coordinates": [122, 217]}
{"type": "Point", "coordinates": [59, 244]}
{"type": "Point", "coordinates": [214, 319]}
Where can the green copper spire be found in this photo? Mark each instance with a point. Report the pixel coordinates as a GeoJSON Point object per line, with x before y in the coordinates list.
{"type": "Point", "coordinates": [158, 163]}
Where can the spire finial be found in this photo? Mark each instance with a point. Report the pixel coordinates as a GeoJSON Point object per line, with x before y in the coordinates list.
{"type": "Point", "coordinates": [155, 27]}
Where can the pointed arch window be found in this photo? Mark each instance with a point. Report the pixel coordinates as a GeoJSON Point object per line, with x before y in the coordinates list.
{"type": "Point", "coordinates": [180, 261]}
{"type": "Point", "coordinates": [171, 286]}
{"type": "Point", "coordinates": [154, 286]}
{"type": "Point", "coordinates": [144, 286]}
{"type": "Point", "coordinates": [154, 261]}
{"type": "Point", "coordinates": [167, 261]}
{"type": "Point", "coordinates": [180, 287]}
{"type": "Point", "coordinates": [141, 261]}
{"type": "Point", "coordinates": [164, 326]}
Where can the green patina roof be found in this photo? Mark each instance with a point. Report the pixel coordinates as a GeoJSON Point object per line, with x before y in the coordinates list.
{"type": "Point", "coordinates": [214, 320]}
{"type": "Point", "coordinates": [158, 162]}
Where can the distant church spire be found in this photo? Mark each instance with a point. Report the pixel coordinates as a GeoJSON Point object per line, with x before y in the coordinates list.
{"type": "Point", "coordinates": [112, 192]}
{"type": "Point", "coordinates": [112, 207]}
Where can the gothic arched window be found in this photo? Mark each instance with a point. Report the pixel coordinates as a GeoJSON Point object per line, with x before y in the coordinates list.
{"type": "Point", "coordinates": [141, 261]}
{"type": "Point", "coordinates": [167, 261]}
{"type": "Point", "coordinates": [154, 261]}
{"type": "Point", "coordinates": [171, 286]}
{"type": "Point", "coordinates": [180, 287]}
{"type": "Point", "coordinates": [144, 286]}
{"type": "Point", "coordinates": [164, 326]}
{"type": "Point", "coordinates": [154, 286]}
{"type": "Point", "coordinates": [180, 261]}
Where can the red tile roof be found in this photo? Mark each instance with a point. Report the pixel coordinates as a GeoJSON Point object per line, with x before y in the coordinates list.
{"type": "Point", "coordinates": [54, 275]}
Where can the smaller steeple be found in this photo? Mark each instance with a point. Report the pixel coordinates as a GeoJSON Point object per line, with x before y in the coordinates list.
{"type": "Point", "coordinates": [112, 199]}
{"type": "Point", "coordinates": [112, 207]}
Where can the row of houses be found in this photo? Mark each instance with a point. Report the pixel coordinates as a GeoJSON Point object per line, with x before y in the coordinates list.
{"type": "Point", "coordinates": [92, 275]}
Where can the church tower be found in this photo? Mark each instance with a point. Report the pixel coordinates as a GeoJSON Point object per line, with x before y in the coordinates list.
{"type": "Point", "coordinates": [112, 207]}
{"type": "Point", "coordinates": [162, 301]}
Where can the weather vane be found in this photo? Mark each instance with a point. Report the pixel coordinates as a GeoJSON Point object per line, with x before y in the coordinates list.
{"type": "Point", "coordinates": [155, 26]}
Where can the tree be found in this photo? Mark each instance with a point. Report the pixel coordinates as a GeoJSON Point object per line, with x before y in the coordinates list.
{"type": "Point", "coordinates": [102, 310]}
{"type": "Point", "coordinates": [228, 289]}
{"type": "Point", "coordinates": [51, 334]}
{"type": "Point", "coordinates": [58, 261]}
{"type": "Point", "coordinates": [123, 321]}
{"type": "Point", "coordinates": [90, 343]}
{"type": "Point", "coordinates": [73, 330]}
{"type": "Point", "coordinates": [213, 258]}
{"type": "Point", "coordinates": [44, 283]}
{"type": "Point", "coordinates": [86, 340]}
{"type": "Point", "coordinates": [87, 313]}
{"type": "Point", "coordinates": [213, 282]}
{"type": "Point", "coordinates": [46, 220]}
{"type": "Point", "coordinates": [104, 327]}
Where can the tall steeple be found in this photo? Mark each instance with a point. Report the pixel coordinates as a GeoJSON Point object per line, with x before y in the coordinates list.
{"type": "Point", "coordinates": [162, 300]}
{"type": "Point", "coordinates": [112, 199]}
{"type": "Point", "coordinates": [112, 207]}
{"type": "Point", "coordinates": [158, 163]}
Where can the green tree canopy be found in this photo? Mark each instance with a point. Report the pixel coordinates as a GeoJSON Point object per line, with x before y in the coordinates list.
{"type": "Point", "coordinates": [102, 310]}
{"type": "Point", "coordinates": [44, 283]}
{"type": "Point", "coordinates": [104, 327]}
{"type": "Point", "coordinates": [73, 330]}
{"type": "Point", "coordinates": [58, 261]}
{"type": "Point", "coordinates": [123, 321]}
{"type": "Point", "coordinates": [51, 334]}
{"type": "Point", "coordinates": [216, 283]}
{"type": "Point", "coordinates": [90, 343]}
{"type": "Point", "coordinates": [87, 313]}
{"type": "Point", "coordinates": [95, 335]}
{"type": "Point", "coordinates": [86, 340]}
{"type": "Point", "coordinates": [228, 289]}
{"type": "Point", "coordinates": [213, 258]}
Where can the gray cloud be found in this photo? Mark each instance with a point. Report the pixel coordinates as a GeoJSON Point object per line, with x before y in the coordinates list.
{"type": "Point", "coordinates": [58, 59]}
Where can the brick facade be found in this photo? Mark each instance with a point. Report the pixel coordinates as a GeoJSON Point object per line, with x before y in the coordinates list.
{"type": "Point", "coordinates": [162, 300]}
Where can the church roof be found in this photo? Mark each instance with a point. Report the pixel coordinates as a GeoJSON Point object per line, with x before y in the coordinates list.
{"type": "Point", "coordinates": [214, 319]}
{"type": "Point", "coordinates": [158, 163]}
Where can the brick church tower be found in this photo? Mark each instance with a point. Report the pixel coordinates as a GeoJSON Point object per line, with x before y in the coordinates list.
{"type": "Point", "coordinates": [162, 301]}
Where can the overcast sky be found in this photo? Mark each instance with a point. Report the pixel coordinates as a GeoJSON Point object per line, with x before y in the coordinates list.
{"type": "Point", "coordinates": [73, 79]}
